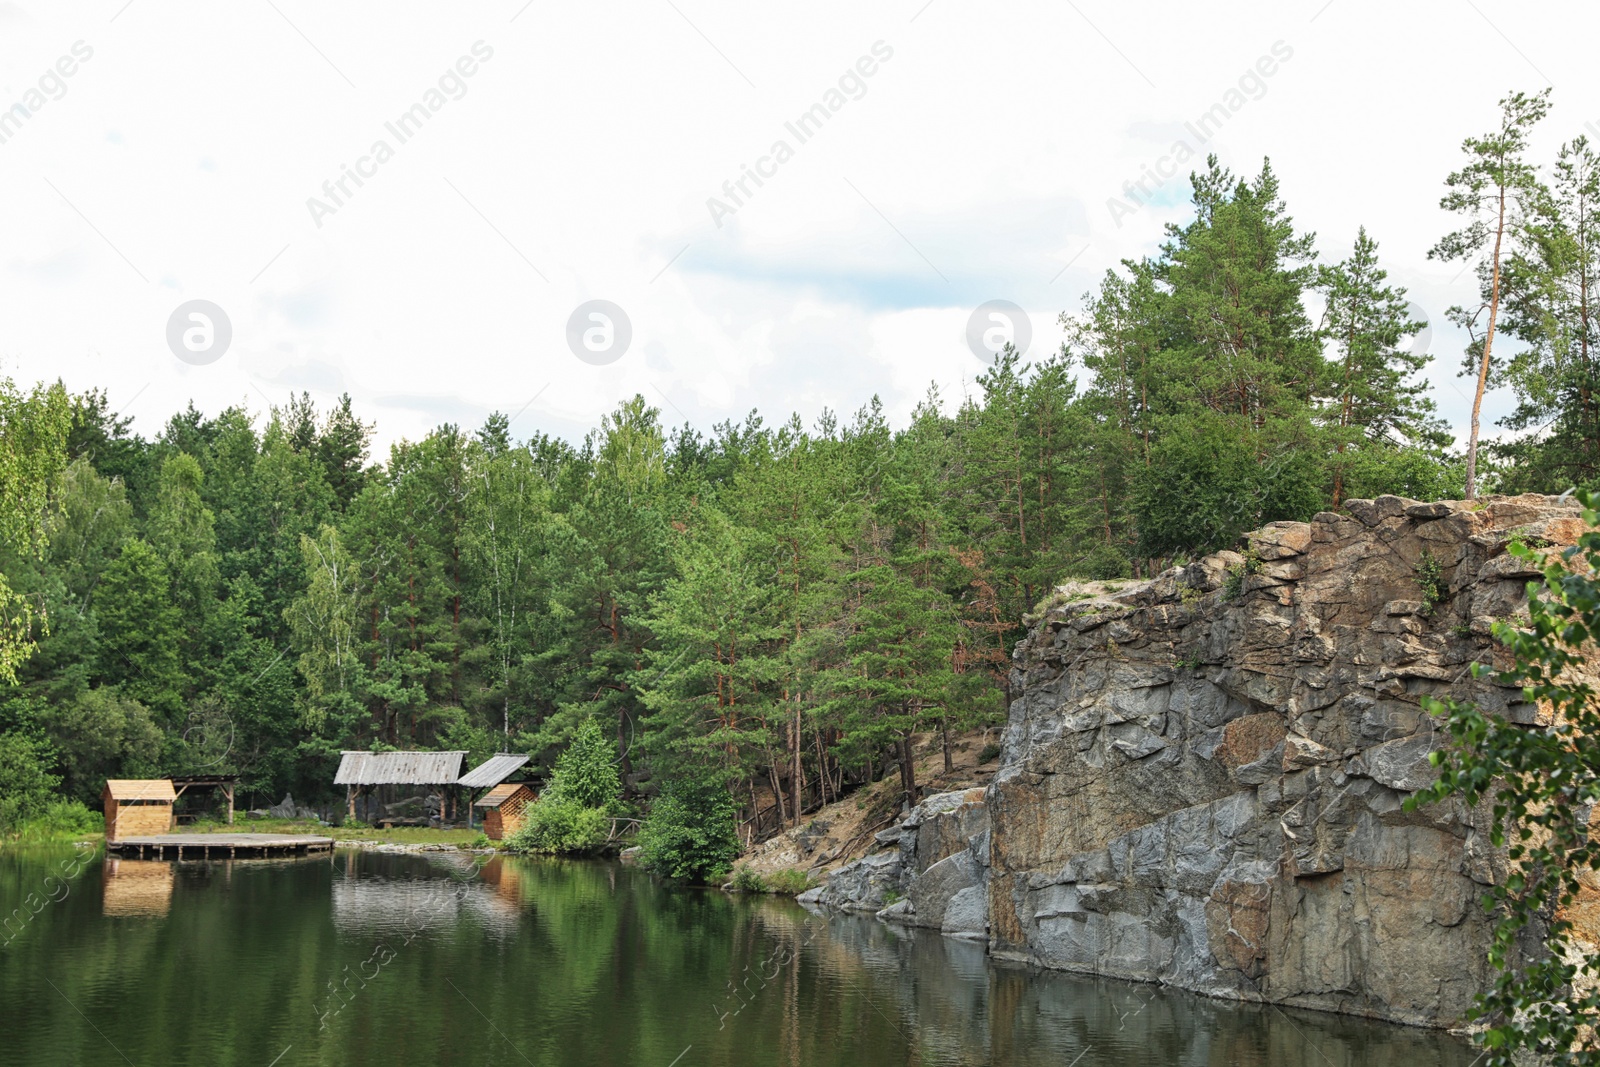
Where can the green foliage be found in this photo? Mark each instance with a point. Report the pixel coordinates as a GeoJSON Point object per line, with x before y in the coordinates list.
{"type": "Point", "coordinates": [33, 438]}
{"type": "Point", "coordinates": [586, 772]}
{"type": "Point", "coordinates": [789, 882]}
{"type": "Point", "coordinates": [560, 826]}
{"type": "Point", "coordinates": [786, 882]}
{"type": "Point", "coordinates": [748, 880]}
{"type": "Point", "coordinates": [59, 820]}
{"type": "Point", "coordinates": [1541, 785]}
{"type": "Point", "coordinates": [1233, 584]}
{"type": "Point", "coordinates": [26, 787]}
{"type": "Point", "coordinates": [101, 734]}
{"type": "Point", "coordinates": [1496, 193]}
{"type": "Point", "coordinates": [1430, 579]}
{"type": "Point", "coordinates": [988, 752]}
{"type": "Point", "coordinates": [690, 833]}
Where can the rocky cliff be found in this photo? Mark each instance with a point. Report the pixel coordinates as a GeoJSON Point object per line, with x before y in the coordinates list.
{"type": "Point", "coordinates": [1203, 774]}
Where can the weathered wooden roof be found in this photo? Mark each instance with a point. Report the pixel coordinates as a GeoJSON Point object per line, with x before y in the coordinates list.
{"type": "Point", "coordinates": [140, 789]}
{"type": "Point", "coordinates": [492, 771]}
{"type": "Point", "coordinates": [399, 768]}
{"type": "Point", "coordinates": [500, 794]}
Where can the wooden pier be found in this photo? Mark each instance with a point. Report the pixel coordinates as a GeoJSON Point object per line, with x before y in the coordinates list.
{"type": "Point", "coordinates": [217, 846]}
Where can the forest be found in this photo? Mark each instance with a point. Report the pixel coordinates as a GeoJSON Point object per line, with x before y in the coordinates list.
{"type": "Point", "coordinates": [776, 606]}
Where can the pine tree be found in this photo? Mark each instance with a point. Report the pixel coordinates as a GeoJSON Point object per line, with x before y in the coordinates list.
{"type": "Point", "coordinates": [1495, 192]}
{"type": "Point", "coordinates": [1550, 283]}
{"type": "Point", "coordinates": [1374, 401]}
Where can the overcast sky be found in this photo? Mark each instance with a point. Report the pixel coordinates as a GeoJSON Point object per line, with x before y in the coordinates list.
{"type": "Point", "coordinates": [563, 153]}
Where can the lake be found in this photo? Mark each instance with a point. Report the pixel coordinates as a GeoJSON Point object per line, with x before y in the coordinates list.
{"type": "Point", "coordinates": [448, 958]}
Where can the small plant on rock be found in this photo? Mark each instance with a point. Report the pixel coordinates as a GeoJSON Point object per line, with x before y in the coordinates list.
{"type": "Point", "coordinates": [1233, 584]}
{"type": "Point", "coordinates": [1430, 577]}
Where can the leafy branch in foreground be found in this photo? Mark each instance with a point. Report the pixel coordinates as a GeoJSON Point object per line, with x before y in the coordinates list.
{"type": "Point", "coordinates": [1542, 783]}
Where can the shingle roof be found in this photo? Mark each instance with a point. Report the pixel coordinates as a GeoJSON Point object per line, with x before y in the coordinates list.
{"type": "Point", "coordinates": [399, 768]}
{"type": "Point", "coordinates": [492, 771]}
{"type": "Point", "coordinates": [500, 794]}
{"type": "Point", "coordinates": [141, 789]}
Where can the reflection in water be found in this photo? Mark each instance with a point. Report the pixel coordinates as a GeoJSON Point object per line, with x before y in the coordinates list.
{"type": "Point", "coordinates": [135, 887]}
{"type": "Point", "coordinates": [407, 907]}
{"type": "Point", "coordinates": [404, 959]}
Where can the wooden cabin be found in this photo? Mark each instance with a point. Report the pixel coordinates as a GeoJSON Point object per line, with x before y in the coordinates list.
{"type": "Point", "coordinates": [138, 807]}
{"type": "Point", "coordinates": [504, 808]}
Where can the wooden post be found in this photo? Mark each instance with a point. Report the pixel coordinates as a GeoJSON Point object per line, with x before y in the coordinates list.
{"type": "Point", "coordinates": [350, 797]}
{"type": "Point", "coordinates": [228, 789]}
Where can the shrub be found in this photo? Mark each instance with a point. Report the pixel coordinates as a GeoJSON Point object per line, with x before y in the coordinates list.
{"type": "Point", "coordinates": [559, 825]}
{"type": "Point", "coordinates": [747, 880]}
{"type": "Point", "coordinates": [1430, 579]}
{"type": "Point", "coordinates": [691, 831]}
{"type": "Point", "coordinates": [788, 882]}
{"type": "Point", "coordinates": [60, 820]}
{"type": "Point", "coordinates": [1233, 584]}
{"type": "Point", "coordinates": [988, 752]}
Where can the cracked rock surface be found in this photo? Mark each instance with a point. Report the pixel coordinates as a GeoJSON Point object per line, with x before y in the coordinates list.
{"type": "Point", "coordinates": [1203, 774]}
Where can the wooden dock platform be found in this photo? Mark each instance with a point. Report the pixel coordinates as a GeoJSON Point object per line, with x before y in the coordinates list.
{"type": "Point", "coordinates": [217, 846]}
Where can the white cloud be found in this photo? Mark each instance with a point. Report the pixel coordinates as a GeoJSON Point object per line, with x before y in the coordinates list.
{"type": "Point", "coordinates": [584, 150]}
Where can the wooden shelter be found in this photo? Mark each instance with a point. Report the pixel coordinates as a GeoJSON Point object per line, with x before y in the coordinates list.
{"type": "Point", "coordinates": [138, 807]}
{"type": "Point", "coordinates": [488, 774]}
{"type": "Point", "coordinates": [225, 783]}
{"type": "Point", "coordinates": [362, 771]}
{"type": "Point", "coordinates": [504, 808]}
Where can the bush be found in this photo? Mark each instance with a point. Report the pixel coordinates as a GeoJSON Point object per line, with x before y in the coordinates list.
{"type": "Point", "coordinates": [558, 825]}
{"type": "Point", "coordinates": [747, 880]}
{"type": "Point", "coordinates": [691, 832]}
{"type": "Point", "coordinates": [61, 820]}
{"type": "Point", "coordinates": [788, 882]}
{"type": "Point", "coordinates": [988, 752]}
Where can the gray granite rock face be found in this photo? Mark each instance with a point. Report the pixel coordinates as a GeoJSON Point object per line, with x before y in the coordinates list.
{"type": "Point", "coordinates": [1203, 779]}
{"type": "Point", "coordinates": [1251, 841]}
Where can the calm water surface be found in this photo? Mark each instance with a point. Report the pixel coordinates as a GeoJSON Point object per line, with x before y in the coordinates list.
{"type": "Point", "coordinates": [429, 959]}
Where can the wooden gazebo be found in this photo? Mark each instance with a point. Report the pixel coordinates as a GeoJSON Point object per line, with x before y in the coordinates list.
{"type": "Point", "coordinates": [223, 783]}
{"type": "Point", "coordinates": [362, 771]}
